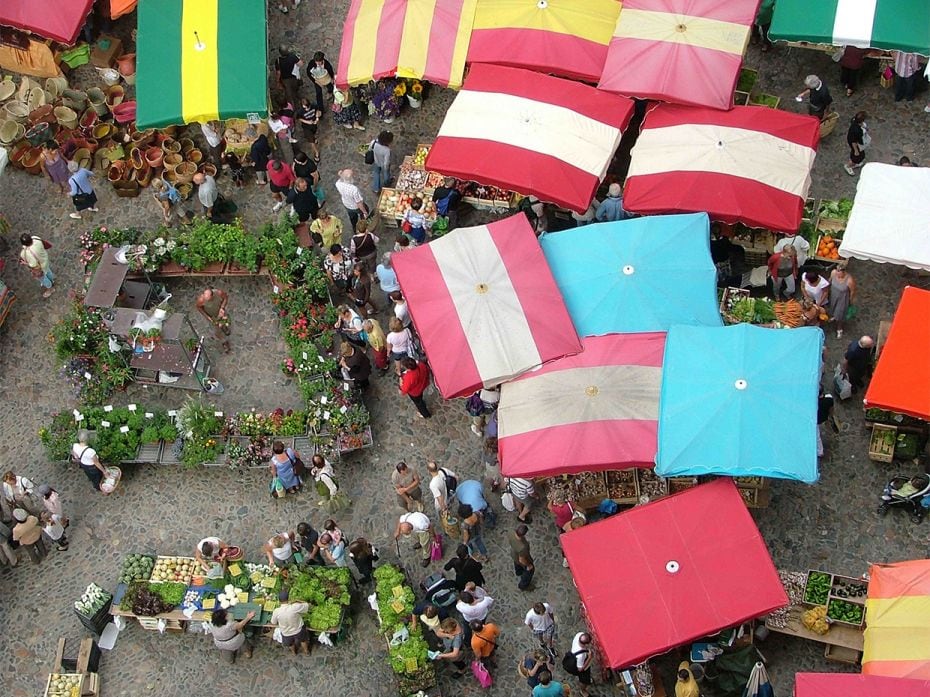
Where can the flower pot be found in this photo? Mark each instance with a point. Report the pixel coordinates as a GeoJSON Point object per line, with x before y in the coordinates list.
{"type": "Point", "coordinates": [32, 161]}
{"type": "Point", "coordinates": [66, 116]}
{"type": "Point", "coordinates": [186, 145]}
{"type": "Point", "coordinates": [116, 171]}
{"type": "Point", "coordinates": [414, 102]}
{"type": "Point", "coordinates": [143, 176]}
{"type": "Point", "coordinates": [126, 64]}
{"type": "Point", "coordinates": [98, 101]}
{"type": "Point", "coordinates": [153, 156]}
{"type": "Point", "coordinates": [17, 111]}
{"type": "Point", "coordinates": [186, 172]}
{"type": "Point", "coordinates": [10, 132]}
{"type": "Point", "coordinates": [115, 95]}
{"type": "Point", "coordinates": [194, 156]}
{"type": "Point", "coordinates": [172, 161]}
{"type": "Point", "coordinates": [55, 86]}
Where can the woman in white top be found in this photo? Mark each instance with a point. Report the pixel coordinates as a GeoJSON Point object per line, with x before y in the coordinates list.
{"type": "Point", "coordinates": [86, 457]}
{"type": "Point", "coordinates": [279, 549]}
{"type": "Point", "coordinates": [400, 307]}
{"type": "Point", "coordinates": [400, 343]}
{"type": "Point", "coordinates": [815, 287]}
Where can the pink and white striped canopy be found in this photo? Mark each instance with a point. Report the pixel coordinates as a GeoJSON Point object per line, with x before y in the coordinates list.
{"type": "Point", "coordinates": [596, 410]}
{"type": "Point", "coordinates": [485, 305]}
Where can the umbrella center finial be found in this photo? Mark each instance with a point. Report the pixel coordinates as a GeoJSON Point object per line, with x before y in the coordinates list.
{"type": "Point", "coordinates": [628, 270]}
{"type": "Point", "coordinates": [741, 384]}
{"type": "Point", "coordinates": [591, 390]}
{"type": "Point", "coordinates": [720, 145]}
{"type": "Point", "coordinates": [673, 567]}
{"type": "Point", "coordinates": [681, 28]}
{"type": "Point", "coordinates": [542, 4]}
{"type": "Point", "coordinates": [481, 288]}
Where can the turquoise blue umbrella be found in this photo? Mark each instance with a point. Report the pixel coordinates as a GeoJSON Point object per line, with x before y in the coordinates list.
{"type": "Point", "coordinates": [639, 275]}
{"type": "Point", "coordinates": [740, 401]}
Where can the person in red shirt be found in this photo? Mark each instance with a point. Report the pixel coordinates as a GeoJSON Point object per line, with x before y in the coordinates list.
{"type": "Point", "coordinates": [282, 178]}
{"type": "Point", "coordinates": [413, 382]}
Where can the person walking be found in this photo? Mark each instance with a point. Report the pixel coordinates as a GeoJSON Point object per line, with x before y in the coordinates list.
{"type": "Point", "coordinates": [228, 636]}
{"type": "Point", "coordinates": [322, 74]}
{"type": "Point", "coordinates": [281, 178]}
{"type": "Point", "coordinates": [474, 603]}
{"type": "Point", "coordinates": [284, 467]}
{"type": "Point", "coordinates": [534, 664]}
{"type": "Point", "coordinates": [303, 200]}
{"type": "Point", "coordinates": [28, 533]}
{"type": "Point", "coordinates": [842, 296]}
{"type": "Point", "coordinates": [167, 196]}
{"type": "Point", "coordinates": [815, 287]}
{"type": "Point", "coordinates": [857, 361]}
{"type": "Point", "coordinates": [851, 63]}
{"type": "Point", "coordinates": [611, 208]}
{"type": "Point", "coordinates": [34, 255]}
{"type": "Point", "coordinates": [207, 192]}
{"type": "Point", "coordinates": [381, 169]}
{"type": "Point", "coordinates": [406, 483]}
{"type": "Point", "coordinates": [818, 96]}
{"type": "Point", "coordinates": [17, 492]}
{"type": "Point", "coordinates": [212, 133]}
{"type": "Point", "coordinates": [352, 199]}
{"type": "Point", "coordinates": [259, 153]}
{"type": "Point", "coordinates": [355, 365]}
{"type": "Point", "coordinates": [55, 165]}
{"type": "Point", "coordinates": [326, 230]}
{"type": "Point", "coordinates": [524, 496]}
{"type": "Point", "coordinates": [467, 568]}
{"type": "Point", "coordinates": [547, 687]}
{"type": "Point", "coordinates": [288, 617]}
{"type": "Point", "coordinates": [762, 23]}
{"type": "Point", "coordinates": [364, 557]}
{"type": "Point", "coordinates": [287, 71]}
{"type": "Point", "coordinates": [364, 245]}
{"type": "Point", "coordinates": [387, 277]}
{"type": "Point", "coordinates": [453, 639]}
{"type": "Point", "coordinates": [346, 112]}
{"type": "Point", "coordinates": [81, 189]}
{"type": "Point", "coordinates": [308, 116]}
{"type": "Point", "coordinates": [399, 342]}
{"type": "Point", "coordinates": [360, 287]}
{"type": "Point", "coordinates": [211, 303]}
{"type": "Point", "coordinates": [541, 620]}
{"type": "Point", "coordinates": [86, 457]}
{"type": "Point", "coordinates": [858, 139]}
{"type": "Point", "coordinates": [581, 650]}
{"type": "Point", "coordinates": [414, 380]}
{"type": "Point", "coordinates": [472, 532]}
{"type": "Point", "coordinates": [280, 549]}
{"type": "Point", "coordinates": [523, 566]}
{"type": "Point", "coordinates": [438, 487]}
{"type": "Point", "coordinates": [490, 397]}
{"type": "Point", "coordinates": [484, 636]}
{"type": "Point", "coordinates": [419, 525]}
{"type": "Point", "coordinates": [907, 73]}
{"type": "Point", "coordinates": [374, 334]}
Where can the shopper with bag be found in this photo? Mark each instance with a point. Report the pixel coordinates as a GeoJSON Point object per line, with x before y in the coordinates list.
{"type": "Point", "coordinates": [286, 466]}
{"type": "Point", "coordinates": [453, 639]}
{"type": "Point", "coordinates": [578, 660]}
{"type": "Point", "coordinates": [34, 255]}
{"type": "Point", "coordinates": [81, 190]}
{"type": "Point", "coordinates": [419, 525]}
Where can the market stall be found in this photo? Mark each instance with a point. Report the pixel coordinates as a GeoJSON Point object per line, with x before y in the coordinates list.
{"type": "Point", "coordinates": [422, 40]}
{"type": "Point", "coordinates": [679, 51]}
{"type": "Point", "coordinates": [557, 37]}
{"type": "Point", "coordinates": [890, 218]}
{"type": "Point", "coordinates": [673, 571]}
{"type": "Point", "coordinates": [853, 685]}
{"type": "Point", "coordinates": [877, 24]}
{"type": "Point", "coordinates": [646, 275]}
{"type": "Point", "coordinates": [749, 164]}
{"type": "Point", "coordinates": [485, 305]}
{"type": "Point", "coordinates": [531, 133]}
{"type": "Point", "coordinates": [596, 410]}
{"type": "Point", "coordinates": [719, 382]}
{"type": "Point", "coordinates": [200, 61]}
{"type": "Point", "coordinates": [897, 638]}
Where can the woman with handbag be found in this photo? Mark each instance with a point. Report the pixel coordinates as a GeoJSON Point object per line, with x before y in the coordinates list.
{"type": "Point", "coordinates": [34, 254]}
{"type": "Point", "coordinates": [82, 190]}
{"type": "Point", "coordinates": [287, 466]}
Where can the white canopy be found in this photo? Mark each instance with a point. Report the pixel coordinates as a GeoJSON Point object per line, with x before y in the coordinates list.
{"type": "Point", "coordinates": [890, 219]}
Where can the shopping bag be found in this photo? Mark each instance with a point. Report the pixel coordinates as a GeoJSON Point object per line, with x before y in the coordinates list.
{"type": "Point", "coordinates": [277, 488]}
{"type": "Point", "coordinates": [507, 501]}
{"type": "Point", "coordinates": [841, 383]}
{"type": "Point", "coordinates": [481, 674]}
{"type": "Point", "coordinates": [435, 548]}
{"type": "Point", "coordinates": [851, 313]}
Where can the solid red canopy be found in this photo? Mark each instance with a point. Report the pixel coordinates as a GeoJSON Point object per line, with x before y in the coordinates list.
{"type": "Point", "coordinates": [901, 383]}
{"type": "Point", "coordinates": [680, 568]}
{"type": "Point", "coordinates": [855, 685]}
{"type": "Point", "coordinates": [59, 20]}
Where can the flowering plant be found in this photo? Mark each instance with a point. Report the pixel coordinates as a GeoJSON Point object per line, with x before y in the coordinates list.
{"type": "Point", "coordinates": [385, 100]}
{"type": "Point", "coordinates": [416, 89]}
{"type": "Point", "coordinates": [400, 89]}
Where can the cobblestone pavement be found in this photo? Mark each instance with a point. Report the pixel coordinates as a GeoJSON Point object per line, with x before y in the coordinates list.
{"type": "Point", "coordinates": [831, 525]}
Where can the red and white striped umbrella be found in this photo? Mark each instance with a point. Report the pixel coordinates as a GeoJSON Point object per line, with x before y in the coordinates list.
{"type": "Point", "coordinates": [531, 133]}
{"type": "Point", "coordinates": [485, 305]}
{"type": "Point", "coordinates": [750, 165]}
{"type": "Point", "coordinates": [596, 410]}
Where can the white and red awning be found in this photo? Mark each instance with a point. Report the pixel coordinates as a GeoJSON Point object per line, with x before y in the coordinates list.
{"type": "Point", "coordinates": [596, 410]}
{"type": "Point", "coordinates": [750, 165]}
{"type": "Point", "coordinates": [485, 305]}
{"type": "Point", "coordinates": [681, 51]}
{"type": "Point", "coordinates": [531, 133]}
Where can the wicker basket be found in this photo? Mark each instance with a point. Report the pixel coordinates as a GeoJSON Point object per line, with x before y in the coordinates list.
{"type": "Point", "coordinates": [828, 124]}
{"type": "Point", "coordinates": [185, 172]}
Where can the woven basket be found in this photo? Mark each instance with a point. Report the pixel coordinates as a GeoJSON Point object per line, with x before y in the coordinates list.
{"type": "Point", "coordinates": [186, 172]}
{"type": "Point", "coordinates": [66, 116]}
{"type": "Point", "coordinates": [17, 111]}
{"type": "Point", "coordinates": [11, 131]}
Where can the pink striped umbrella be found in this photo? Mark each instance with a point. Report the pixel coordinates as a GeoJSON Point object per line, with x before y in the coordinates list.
{"type": "Point", "coordinates": [485, 305]}
{"type": "Point", "coordinates": [596, 410]}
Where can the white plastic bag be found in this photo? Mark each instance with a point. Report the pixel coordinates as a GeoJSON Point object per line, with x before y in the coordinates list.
{"type": "Point", "coordinates": [324, 639]}
{"type": "Point", "coordinates": [841, 383]}
{"type": "Point", "coordinates": [278, 635]}
{"type": "Point", "coordinates": [508, 502]}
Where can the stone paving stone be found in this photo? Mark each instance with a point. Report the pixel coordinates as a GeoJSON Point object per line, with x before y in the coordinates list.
{"type": "Point", "coordinates": [831, 525]}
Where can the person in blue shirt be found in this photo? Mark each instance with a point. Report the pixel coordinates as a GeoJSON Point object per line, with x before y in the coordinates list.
{"type": "Point", "coordinates": [81, 189]}
{"type": "Point", "coordinates": [548, 687]}
{"type": "Point", "coordinates": [611, 208]}
{"type": "Point", "coordinates": [471, 493]}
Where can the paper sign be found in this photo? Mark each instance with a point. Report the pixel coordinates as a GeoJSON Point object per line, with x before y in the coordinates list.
{"type": "Point", "coordinates": [131, 407]}
{"type": "Point", "coordinates": [398, 591]}
{"type": "Point", "coordinates": [108, 408]}
{"type": "Point", "coordinates": [234, 570]}
{"type": "Point", "coordinates": [343, 409]}
{"type": "Point", "coordinates": [275, 289]}
{"type": "Point", "coordinates": [124, 429]}
{"type": "Point", "coordinates": [320, 359]}
{"type": "Point", "coordinates": [149, 415]}
{"type": "Point", "coordinates": [172, 412]}
{"type": "Point", "coordinates": [105, 424]}
{"type": "Point", "coordinates": [397, 606]}
{"type": "Point", "coordinates": [410, 663]}
{"type": "Point", "coordinates": [87, 376]}
{"type": "Point", "coordinates": [345, 386]}
{"type": "Point", "coordinates": [305, 355]}
{"type": "Point", "coordinates": [300, 250]}
{"type": "Point", "coordinates": [326, 416]}
{"type": "Point", "coordinates": [218, 413]}
{"type": "Point", "coordinates": [76, 413]}
{"type": "Point", "coordinates": [79, 417]}
{"type": "Point", "coordinates": [242, 597]}
{"type": "Point", "coordinates": [323, 399]}
{"type": "Point", "coordinates": [208, 603]}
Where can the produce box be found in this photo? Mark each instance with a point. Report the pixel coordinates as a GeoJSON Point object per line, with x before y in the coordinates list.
{"type": "Point", "coordinates": [590, 485]}
{"type": "Point", "coordinates": [419, 155]}
{"type": "Point", "coordinates": [906, 446]}
{"type": "Point", "coordinates": [853, 590]}
{"type": "Point", "coordinates": [730, 296]}
{"type": "Point", "coordinates": [411, 179]}
{"type": "Point", "coordinates": [817, 588]}
{"type": "Point", "coordinates": [64, 685]}
{"type": "Point", "coordinates": [767, 100]}
{"type": "Point", "coordinates": [747, 79]}
{"type": "Point", "coordinates": [750, 496]}
{"type": "Point", "coordinates": [832, 215]}
{"type": "Point", "coordinates": [137, 567]}
{"type": "Point", "coordinates": [810, 208]}
{"type": "Point", "coordinates": [650, 484]}
{"type": "Point", "coordinates": [386, 205]}
{"type": "Point", "coordinates": [177, 569]}
{"type": "Point", "coordinates": [845, 612]}
{"type": "Point", "coordinates": [827, 247]}
{"type": "Point", "coordinates": [622, 486]}
{"type": "Point", "coordinates": [882, 442]}
{"type": "Point", "coordinates": [676, 484]}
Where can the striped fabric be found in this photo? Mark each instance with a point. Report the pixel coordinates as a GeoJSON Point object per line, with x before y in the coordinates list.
{"type": "Point", "coordinates": [749, 165]}
{"type": "Point", "coordinates": [485, 305]}
{"type": "Point", "coordinates": [181, 79]}
{"type": "Point", "coordinates": [422, 39]}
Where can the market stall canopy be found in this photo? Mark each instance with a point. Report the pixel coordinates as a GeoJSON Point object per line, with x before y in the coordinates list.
{"type": "Point", "coordinates": [638, 275]}
{"type": "Point", "coordinates": [855, 685]}
{"type": "Point", "coordinates": [561, 37]}
{"type": "Point", "coordinates": [526, 132]}
{"type": "Point", "coordinates": [750, 165]}
{"type": "Point", "coordinates": [422, 39]}
{"type": "Point", "coordinates": [892, 24]}
{"type": "Point", "coordinates": [200, 60]}
{"type": "Point", "coordinates": [681, 51]}
{"type": "Point", "coordinates": [897, 633]}
{"type": "Point", "coordinates": [58, 20]}
{"type": "Point", "coordinates": [900, 383]}
{"type": "Point", "coordinates": [596, 410]}
{"type": "Point", "coordinates": [720, 387]}
{"type": "Point", "coordinates": [485, 305]}
{"type": "Point", "coordinates": [661, 575]}
{"type": "Point", "coordinates": [890, 218]}
{"type": "Point", "coordinates": [118, 8]}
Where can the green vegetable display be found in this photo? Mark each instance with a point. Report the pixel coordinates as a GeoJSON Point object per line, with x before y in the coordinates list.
{"type": "Point", "coordinates": [817, 588]}
{"type": "Point", "coordinates": [171, 593]}
{"type": "Point", "coordinates": [415, 648]}
{"type": "Point", "coordinates": [327, 592]}
{"type": "Point", "coordinates": [137, 567]}
{"type": "Point", "coordinates": [387, 577]}
{"type": "Point", "coordinates": [837, 210]}
{"type": "Point", "coordinates": [906, 446]}
{"type": "Point", "coordinates": [753, 310]}
{"type": "Point", "coordinates": [844, 611]}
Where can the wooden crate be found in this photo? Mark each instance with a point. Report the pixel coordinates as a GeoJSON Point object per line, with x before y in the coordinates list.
{"type": "Point", "coordinates": [878, 450]}
{"type": "Point", "coordinates": [841, 654]}
{"type": "Point", "coordinates": [151, 624]}
{"type": "Point", "coordinates": [51, 676]}
{"type": "Point", "coordinates": [817, 246]}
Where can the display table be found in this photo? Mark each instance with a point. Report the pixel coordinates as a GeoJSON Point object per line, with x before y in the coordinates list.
{"type": "Point", "coordinates": [843, 642]}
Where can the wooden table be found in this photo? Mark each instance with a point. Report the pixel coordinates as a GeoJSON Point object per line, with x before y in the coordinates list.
{"type": "Point", "coordinates": [844, 642]}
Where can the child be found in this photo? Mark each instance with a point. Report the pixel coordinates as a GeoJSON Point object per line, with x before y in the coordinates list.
{"type": "Point", "coordinates": [54, 529]}
{"type": "Point", "coordinates": [236, 170]}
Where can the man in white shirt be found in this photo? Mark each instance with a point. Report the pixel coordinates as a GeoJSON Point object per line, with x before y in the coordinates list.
{"type": "Point", "coordinates": [211, 133]}
{"type": "Point", "coordinates": [581, 648]}
{"type": "Point", "coordinates": [474, 604]}
{"type": "Point", "coordinates": [802, 247]}
{"type": "Point", "coordinates": [289, 618]}
{"type": "Point", "coordinates": [418, 525]}
{"type": "Point", "coordinates": [351, 197]}
{"type": "Point", "coordinates": [437, 486]}
{"type": "Point", "coordinates": [541, 620]}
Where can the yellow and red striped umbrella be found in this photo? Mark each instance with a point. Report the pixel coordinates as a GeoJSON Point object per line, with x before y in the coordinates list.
{"type": "Point", "coordinates": [897, 635]}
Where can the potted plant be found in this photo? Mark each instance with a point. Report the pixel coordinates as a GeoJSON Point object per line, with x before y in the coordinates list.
{"type": "Point", "coordinates": [386, 100]}
{"type": "Point", "coordinates": [415, 94]}
{"type": "Point", "coordinates": [150, 339]}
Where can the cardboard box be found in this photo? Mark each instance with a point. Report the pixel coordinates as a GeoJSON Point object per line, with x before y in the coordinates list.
{"type": "Point", "coordinates": [105, 50]}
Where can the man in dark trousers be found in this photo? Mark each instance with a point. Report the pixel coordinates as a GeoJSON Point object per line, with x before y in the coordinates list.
{"type": "Point", "coordinates": [857, 362]}
{"type": "Point", "coordinates": [284, 68]}
{"type": "Point", "coordinates": [523, 566]}
{"type": "Point", "coordinates": [304, 200]}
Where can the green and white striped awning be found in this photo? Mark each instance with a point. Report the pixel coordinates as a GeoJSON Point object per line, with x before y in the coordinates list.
{"type": "Point", "coordinates": [902, 25]}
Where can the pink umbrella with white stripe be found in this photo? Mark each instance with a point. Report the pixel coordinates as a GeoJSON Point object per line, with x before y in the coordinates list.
{"type": "Point", "coordinates": [596, 410]}
{"type": "Point", "coordinates": [531, 133]}
{"type": "Point", "coordinates": [485, 305]}
{"type": "Point", "coordinates": [750, 165]}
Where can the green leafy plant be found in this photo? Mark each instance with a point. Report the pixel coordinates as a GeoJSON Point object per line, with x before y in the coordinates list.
{"type": "Point", "coordinates": [59, 436]}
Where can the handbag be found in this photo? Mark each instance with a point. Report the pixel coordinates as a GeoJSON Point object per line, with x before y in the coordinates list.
{"type": "Point", "coordinates": [851, 313]}
{"type": "Point", "coordinates": [296, 464]}
{"type": "Point", "coordinates": [82, 200]}
{"type": "Point", "coordinates": [435, 548]}
{"type": "Point", "coordinates": [406, 226]}
{"type": "Point", "coordinates": [841, 383]}
{"type": "Point", "coordinates": [370, 154]}
{"type": "Point", "coordinates": [474, 406]}
{"type": "Point", "coordinates": [508, 501]}
{"type": "Point", "coordinates": [481, 674]}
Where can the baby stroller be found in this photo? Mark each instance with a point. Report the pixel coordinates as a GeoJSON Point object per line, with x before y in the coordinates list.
{"type": "Point", "coordinates": [911, 492]}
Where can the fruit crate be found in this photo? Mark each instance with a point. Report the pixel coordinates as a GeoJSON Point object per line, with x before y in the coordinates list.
{"type": "Point", "coordinates": [622, 486]}
{"type": "Point", "coordinates": [151, 624]}
{"type": "Point", "coordinates": [821, 236]}
{"type": "Point", "coordinates": [882, 442]}
{"type": "Point", "coordinates": [731, 296]}
{"type": "Point", "coordinates": [651, 485]}
{"type": "Point", "coordinates": [54, 686]}
{"type": "Point", "coordinates": [852, 590]}
{"type": "Point", "coordinates": [676, 484]}
{"type": "Point", "coordinates": [817, 587]}
{"type": "Point", "coordinates": [841, 607]}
